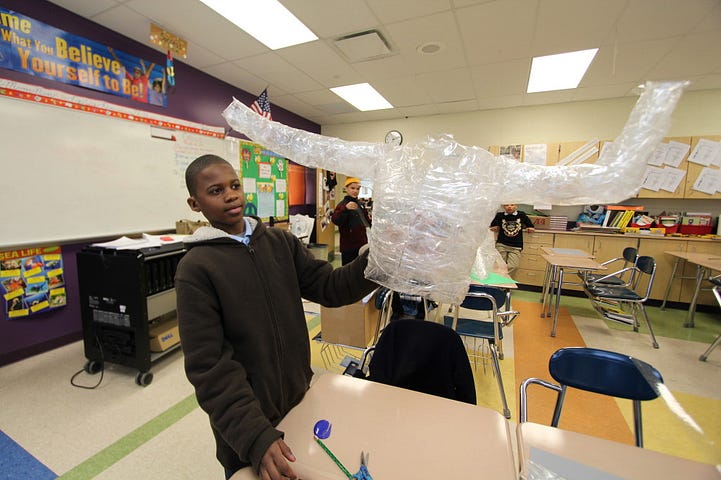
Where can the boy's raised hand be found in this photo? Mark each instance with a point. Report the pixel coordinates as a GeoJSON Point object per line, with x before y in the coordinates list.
{"type": "Point", "coordinates": [274, 464]}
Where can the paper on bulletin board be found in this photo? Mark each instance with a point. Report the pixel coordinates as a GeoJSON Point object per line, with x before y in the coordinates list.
{"type": "Point", "coordinates": [706, 153]}
{"type": "Point", "coordinates": [535, 153]}
{"type": "Point", "coordinates": [708, 181]}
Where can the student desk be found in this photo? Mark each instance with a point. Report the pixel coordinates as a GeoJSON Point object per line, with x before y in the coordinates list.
{"type": "Point", "coordinates": [555, 266]}
{"type": "Point", "coordinates": [705, 263]}
{"type": "Point", "coordinates": [408, 434]}
{"type": "Point", "coordinates": [625, 461]}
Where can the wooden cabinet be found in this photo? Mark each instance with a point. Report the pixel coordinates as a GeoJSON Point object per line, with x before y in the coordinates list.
{"type": "Point", "coordinates": [655, 247]}
{"type": "Point", "coordinates": [532, 267]}
{"type": "Point", "coordinates": [705, 296]}
{"type": "Point", "coordinates": [607, 247]}
{"type": "Point", "coordinates": [579, 241]}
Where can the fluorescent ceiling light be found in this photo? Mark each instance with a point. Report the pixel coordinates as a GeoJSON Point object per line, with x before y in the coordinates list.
{"type": "Point", "coordinates": [559, 72]}
{"type": "Point", "coordinates": [266, 20]}
{"type": "Point", "coordinates": [362, 96]}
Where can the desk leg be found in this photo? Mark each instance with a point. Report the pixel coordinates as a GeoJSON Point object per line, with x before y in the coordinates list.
{"type": "Point", "coordinates": [548, 282]}
{"type": "Point", "coordinates": [670, 282]}
{"type": "Point", "coordinates": [546, 276]}
{"type": "Point", "coordinates": [558, 301]}
{"type": "Point", "coordinates": [700, 274]}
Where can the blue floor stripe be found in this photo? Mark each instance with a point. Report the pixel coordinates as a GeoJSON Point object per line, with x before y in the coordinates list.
{"type": "Point", "coordinates": [17, 464]}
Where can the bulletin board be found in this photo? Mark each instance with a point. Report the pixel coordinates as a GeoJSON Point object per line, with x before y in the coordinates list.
{"type": "Point", "coordinates": [265, 181]}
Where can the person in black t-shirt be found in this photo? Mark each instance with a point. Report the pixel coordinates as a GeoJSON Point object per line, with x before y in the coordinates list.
{"type": "Point", "coordinates": [510, 225]}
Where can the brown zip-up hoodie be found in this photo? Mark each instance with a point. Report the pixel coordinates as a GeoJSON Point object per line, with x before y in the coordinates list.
{"type": "Point", "coordinates": [243, 330]}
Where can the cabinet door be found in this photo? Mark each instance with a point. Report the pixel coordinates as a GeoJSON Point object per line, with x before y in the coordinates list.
{"type": "Point", "coordinates": [532, 268]}
{"type": "Point", "coordinates": [607, 247]}
{"type": "Point", "coordinates": [577, 241]}
{"type": "Point", "coordinates": [705, 297]}
{"type": "Point", "coordinates": [655, 247]}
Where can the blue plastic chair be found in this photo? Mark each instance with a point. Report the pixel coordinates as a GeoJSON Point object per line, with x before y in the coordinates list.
{"type": "Point", "coordinates": [487, 299]}
{"type": "Point", "coordinates": [598, 371]}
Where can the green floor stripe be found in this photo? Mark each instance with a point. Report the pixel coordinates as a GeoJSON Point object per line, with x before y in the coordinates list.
{"type": "Point", "coordinates": [129, 443]}
{"type": "Point", "coordinates": [312, 320]}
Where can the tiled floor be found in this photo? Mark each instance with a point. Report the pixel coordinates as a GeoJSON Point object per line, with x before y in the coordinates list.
{"type": "Point", "coordinates": [50, 429]}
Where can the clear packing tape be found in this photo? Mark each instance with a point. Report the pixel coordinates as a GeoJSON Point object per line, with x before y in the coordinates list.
{"type": "Point", "coordinates": [434, 200]}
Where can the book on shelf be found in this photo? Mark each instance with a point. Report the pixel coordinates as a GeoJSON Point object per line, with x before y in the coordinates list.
{"type": "Point", "coordinates": [619, 216]}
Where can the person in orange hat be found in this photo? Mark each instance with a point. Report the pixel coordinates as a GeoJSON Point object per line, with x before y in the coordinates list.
{"type": "Point", "coordinates": [352, 219]}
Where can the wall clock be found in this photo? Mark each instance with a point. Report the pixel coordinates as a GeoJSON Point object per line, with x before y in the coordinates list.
{"type": "Point", "coordinates": [394, 137]}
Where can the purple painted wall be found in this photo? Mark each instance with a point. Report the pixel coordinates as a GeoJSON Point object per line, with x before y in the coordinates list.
{"type": "Point", "coordinates": [197, 97]}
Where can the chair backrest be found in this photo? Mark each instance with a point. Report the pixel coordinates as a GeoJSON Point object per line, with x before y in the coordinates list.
{"type": "Point", "coordinates": [605, 372]}
{"type": "Point", "coordinates": [425, 357]}
{"type": "Point", "coordinates": [483, 297]}
{"type": "Point", "coordinates": [647, 265]}
{"type": "Point", "coordinates": [630, 254]}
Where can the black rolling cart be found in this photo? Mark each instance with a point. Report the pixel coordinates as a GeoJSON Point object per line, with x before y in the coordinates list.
{"type": "Point", "coordinates": [123, 293]}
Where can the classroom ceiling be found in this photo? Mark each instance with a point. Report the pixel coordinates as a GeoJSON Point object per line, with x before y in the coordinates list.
{"type": "Point", "coordinates": [479, 50]}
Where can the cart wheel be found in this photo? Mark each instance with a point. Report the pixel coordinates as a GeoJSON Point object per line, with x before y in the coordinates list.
{"type": "Point", "coordinates": [92, 367]}
{"type": "Point", "coordinates": [144, 378]}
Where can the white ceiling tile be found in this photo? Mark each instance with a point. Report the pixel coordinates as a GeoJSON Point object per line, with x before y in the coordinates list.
{"type": "Point", "coordinates": [451, 86]}
{"type": "Point", "coordinates": [501, 79]}
{"type": "Point", "coordinates": [553, 32]}
{"type": "Point", "coordinates": [508, 101]}
{"type": "Point", "coordinates": [654, 19]}
{"type": "Point", "coordinates": [84, 8]}
{"type": "Point", "coordinates": [333, 18]}
{"type": "Point", "coordinates": [206, 28]}
{"type": "Point", "coordinates": [389, 11]}
{"type": "Point", "coordinates": [628, 62]}
{"type": "Point", "coordinates": [706, 48]}
{"type": "Point", "coordinates": [319, 60]}
{"type": "Point", "coordinates": [410, 34]}
{"type": "Point", "coordinates": [273, 69]}
{"type": "Point", "coordinates": [497, 31]}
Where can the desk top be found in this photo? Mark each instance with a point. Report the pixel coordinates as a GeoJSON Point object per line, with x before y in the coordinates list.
{"type": "Point", "coordinates": [566, 251]}
{"type": "Point", "coordinates": [573, 261]}
{"type": "Point", "coordinates": [408, 434]}
{"type": "Point", "coordinates": [708, 260]}
{"type": "Point", "coordinates": [625, 461]}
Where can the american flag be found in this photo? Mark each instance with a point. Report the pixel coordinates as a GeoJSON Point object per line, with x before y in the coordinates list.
{"type": "Point", "coordinates": [261, 106]}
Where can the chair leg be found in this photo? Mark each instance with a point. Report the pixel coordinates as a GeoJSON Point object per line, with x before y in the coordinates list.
{"type": "Point", "coordinates": [648, 325]}
{"type": "Point", "coordinates": [497, 369]}
{"type": "Point", "coordinates": [715, 344]}
{"type": "Point", "coordinates": [637, 426]}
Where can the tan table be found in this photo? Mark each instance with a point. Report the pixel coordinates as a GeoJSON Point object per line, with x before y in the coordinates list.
{"type": "Point", "coordinates": [555, 267]}
{"type": "Point", "coordinates": [566, 251]}
{"type": "Point", "coordinates": [705, 263]}
{"type": "Point", "coordinates": [625, 461]}
{"type": "Point", "coordinates": [408, 434]}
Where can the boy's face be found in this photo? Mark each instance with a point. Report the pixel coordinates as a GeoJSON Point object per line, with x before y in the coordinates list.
{"type": "Point", "coordinates": [509, 207]}
{"type": "Point", "coordinates": [219, 196]}
{"type": "Point", "coordinates": [353, 189]}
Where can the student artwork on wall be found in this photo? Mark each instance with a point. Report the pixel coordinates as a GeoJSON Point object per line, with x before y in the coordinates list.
{"type": "Point", "coordinates": [38, 49]}
{"type": "Point", "coordinates": [32, 281]}
{"type": "Point", "coordinates": [265, 182]}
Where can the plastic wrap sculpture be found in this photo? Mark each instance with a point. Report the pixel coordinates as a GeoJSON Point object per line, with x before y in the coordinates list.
{"type": "Point", "coordinates": [433, 200]}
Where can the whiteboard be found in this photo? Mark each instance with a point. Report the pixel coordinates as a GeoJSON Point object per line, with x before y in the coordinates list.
{"type": "Point", "coordinates": [68, 175]}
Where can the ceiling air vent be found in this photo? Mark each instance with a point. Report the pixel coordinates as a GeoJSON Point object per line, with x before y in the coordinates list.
{"type": "Point", "coordinates": [363, 46]}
